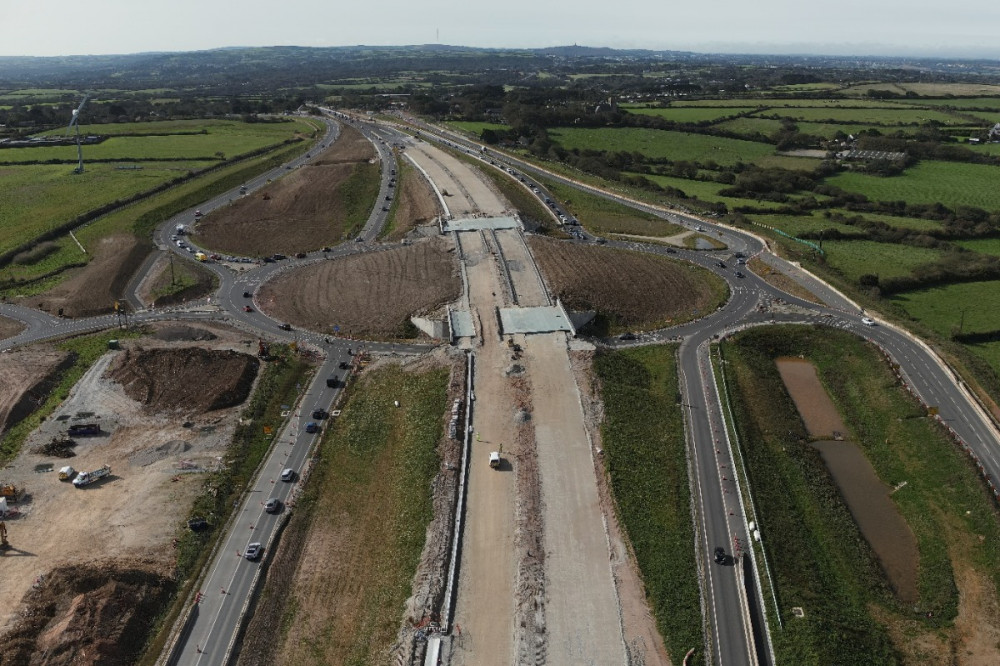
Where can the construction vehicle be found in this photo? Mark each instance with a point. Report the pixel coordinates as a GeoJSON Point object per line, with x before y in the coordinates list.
{"type": "Point", "coordinates": [86, 478]}
{"type": "Point", "coordinates": [263, 350]}
{"type": "Point", "coordinates": [9, 491]}
{"type": "Point", "coordinates": [495, 459]}
{"type": "Point", "coordinates": [67, 473]}
{"type": "Point", "coordinates": [84, 429]}
{"type": "Point", "coordinates": [4, 544]}
{"type": "Point", "coordinates": [201, 256]}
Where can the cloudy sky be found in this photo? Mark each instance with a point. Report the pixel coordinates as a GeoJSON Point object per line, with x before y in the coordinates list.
{"type": "Point", "coordinates": [957, 28]}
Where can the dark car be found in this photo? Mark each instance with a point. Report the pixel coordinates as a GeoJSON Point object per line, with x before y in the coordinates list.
{"type": "Point", "coordinates": [720, 555]}
{"type": "Point", "coordinates": [721, 264]}
{"type": "Point", "coordinates": [246, 294]}
{"type": "Point", "coordinates": [300, 255]}
{"type": "Point", "coordinates": [739, 274]}
{"type": "Point", "coordinates": [247, 308]}
{"type": "Point", "coordinates": [253, 551]}
{"type": "Point", "coordinates": [272, 505]}
{"type": "Point", "coordinates": [278, 257]}
{"type": "Point", "coordinates": [327, 248]}
{"type": "Point", "coordinates": [671, 250]}
{"type": "Point", "coordinates": [285, 327]}
{"type": "Point", "coordinates": [385, 208]}
{"type": "Point", "coordinates": [312, 427]}
{"type": "Point", "coordinates": [344, 365]}
{"type": "Point", "coordinates": [319, 414]}
{"type": "Point", "coordinates": [628, 336]}
{"type": "Point", "coordinates": [268, 260]}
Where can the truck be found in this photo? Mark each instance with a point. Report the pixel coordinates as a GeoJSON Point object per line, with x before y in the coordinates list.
{"type": "Point", "coordinates": [84, 429]}
{"type": "Point", "coordinates": [67, 473]}
{"type": "Point", "coordinates": [86, 478]}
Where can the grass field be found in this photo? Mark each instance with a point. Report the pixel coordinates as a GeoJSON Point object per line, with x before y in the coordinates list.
{"type": "Point", "coordinates": [973, 305]}
{"type": "Point", "coordinates": [388, 458]}
{"type": "Point", "coordinates": [960, 102]}
{"type": "Point", "coordinates": [896, 116]}
{"type": "Point", "coordinates": [949, 183]}
{"type": "Point", "coordinates": [606, 217]}
{"type": "Point", "coordinates": [662, 144]}
{"type": "Point", "coordinates": [844, 591]}
{"type": "Point", "coordinates": [797, 224]}
{"type": "Point", "coordinates": [929, 89]}
{"type": "Point", "coordinates": [828, 131]}
{"type": "Point", "coordinates": [914, 223]}
{"type": "Point", "coordinates": [984, 245]}
{"type": "Point", "coordinates": [476, 128]}
{"type": "Point", "coordinates": [706, 191]}
{"type": "Point", "coordinates": [643, 439]}
{"type": "Point", "coordinates": [692, 114]}
{"type": "Point", "coordinates": [149, 148]}
{"type": "Point", "coordinates": [856, 258]}
{"type": "Point", "coordinates": [749, 125]}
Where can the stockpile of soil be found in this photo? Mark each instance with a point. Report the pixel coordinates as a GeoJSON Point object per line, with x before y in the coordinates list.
{"type": "Point", "coordinates": [190, 380]}
{"type": "Point", "coordinates": [85, 614]}
{"type": "Point", "coordinates": [26, 377]}
{"type": "Point", "coordinates": [183, 333]}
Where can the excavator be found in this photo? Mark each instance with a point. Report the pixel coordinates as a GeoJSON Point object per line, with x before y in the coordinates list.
{"type": "Point", "coordinates": [4, 544]}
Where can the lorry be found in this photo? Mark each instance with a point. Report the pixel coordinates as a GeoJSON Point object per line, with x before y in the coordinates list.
{"type": "Point", "coordinates": [67, 473]}
{"type": "Point", "coordinates": [84, 429]}
{"type": "Point", "coordinates": [86, 478]}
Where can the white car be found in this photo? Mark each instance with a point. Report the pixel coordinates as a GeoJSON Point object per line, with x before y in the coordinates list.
{"type": "Point", "coordinates": [867, 321]}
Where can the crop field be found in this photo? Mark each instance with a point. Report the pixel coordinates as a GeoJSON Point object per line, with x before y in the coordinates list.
{"type": "Point", "coordinates": [850, 609]}
{"type": "Point", "coordinates": [855, 258]}
{"type": "Point", "coordinates": [643, 440]}
{"type": "Point", "coordinates": [971, 305]}
{"type": "Point", "coordinates": [663, 144]}
{"type": "Point", "coordinates": [629, 290]}
{"type": "Point", "coordinates": [949, 183]}
{"type": "Point", "coordinates": [692, 114]}
{"type": "Point", "coordinates": [867, 116]}
{"type": "Point", "coordinates": [984, 245]}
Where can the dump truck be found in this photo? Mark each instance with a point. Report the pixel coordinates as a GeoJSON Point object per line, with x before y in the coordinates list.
{"type": "Point", "coordinates": [86, 478]}
{"type": "Point", "coordinates": [84, 429]}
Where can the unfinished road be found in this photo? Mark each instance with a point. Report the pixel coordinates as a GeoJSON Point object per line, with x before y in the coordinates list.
{"type": "Point", "coordinates": [514, 603]}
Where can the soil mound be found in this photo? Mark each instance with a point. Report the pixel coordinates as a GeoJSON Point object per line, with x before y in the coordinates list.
{"type": "Point", "coordinates": [190, 380]}
{"type": "Point", "coordinates": [26, 378]}
{"type": "Point", "coordinates": [86, 614]}
{"type": "Point", "coordinates": [183, 333]}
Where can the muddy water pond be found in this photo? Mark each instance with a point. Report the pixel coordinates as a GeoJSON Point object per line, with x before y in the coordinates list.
{"type": "Point", "coordinates": [867, 497]}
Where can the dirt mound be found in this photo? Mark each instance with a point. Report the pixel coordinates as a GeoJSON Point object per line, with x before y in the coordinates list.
{"type": "Point", "coordinates": [371, 294]}
{"type": "Point", "coordinates": [418, 204]}
{"type": "Point", "coordinates": [10, 327]}
{"type": "Point", "coordinates": [26, 377]}
{"type": "Point", "coordinates": [350, 146]}
{"type": "Point", "coordinates": [303, 211]}
{"type": "Point", "coordinates": [93, 289]}
{"type": "Point", "coordinates": [190, 380]}
{"type": "Point", "coordinates": [183, 333]}
{"type": "Point", "coordinates": [57, 447]}
{"type": "Point", "coordinates": [85, 615]}
{"type": "Point", "coordinates": [632, 289]}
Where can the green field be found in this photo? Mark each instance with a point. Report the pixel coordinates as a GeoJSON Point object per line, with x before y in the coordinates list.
{"type": "Point", "coordinates": [949, 183]}
{"type": "Point", "coordinates": [643, 439]}
{"type": "Point", "coordinates": [794, 225]}
{"type": "Point", "coordinates": [706, 191]}
{"type": "Point", "coordinates": [984, 245]}
{"type": "Point", "coordinates": [960, 102]}
{"type": "Point", "coordinates": [765, 126]}
{"type": "Point", "coordinates": [915, 223]}
{"type": "Point", "coordinates": [476, 129]}
{"type": "Point", "coordinates": [692, 114]}
{"type": "Point", "coordinates": [828, 131]}
{"type": "Point", "coordinates": [942, 308]}
{"type": "Point", "coordinates": [663, 144]}
{"type": "Point", "coordinates": [602, 216]}
{"type": "Point", "coordinates": [856, 258]}
{"type": "Point", "coordinates": [821, 562]}
{"type": "Point", "coordinates": [867, 116]}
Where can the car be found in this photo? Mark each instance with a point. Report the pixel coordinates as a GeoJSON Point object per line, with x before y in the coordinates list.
{"type": "Point", "coordinates": [388, 198]}
{"type": "Point", "coordinates": [268, 260]}
{"type": "Point", "coordinates": [312, 427]}
{"type": "Point", "coordinates": [288, 474]}
{"type": "Point", "coordinates": [720, 555]}
{"type": "Point", "coordinates": [670, 250]}
{"type": "Point", "coordinates": [327, 248]}
{"type": "Point", "coordinates": [300, 255]}
{"type": "Point", "coordinates": [628, 335]}
{"type": "Point", "coordinates": [198, 213]}
{"type": "Point", "coordinates": [319, 414]}
{"type": "Point", "coordinates": [272, 505]}
{"type": "Point", "coordinates": [385, 208]}
{"type": "Point", "coordinates": [700, 228]}
{"type": "Point", "coordinates": [285, 327]}
{"type": "Point", "coordinates": [721, 264]}
{"type": "Point", "coordinates": [253, 551]}
{"type": "Point", "coordinates": [741, 261]}
{"type": "Point", "coordinates": [359, 239]}
{"type": "Point", "coordinates": [739, 274]}
{"type": "Point", "coordinates": [247, 308]}
{"type": "Point", "coordinates": [867, 321]}
{"type": "Point", "coordinates": [344, 365]}
{"type": "Point", "coordinates": [173, 237]}
{"type": "Point", "coordinates": [278, 257]}
{"type": "Point", "coordinates": [246, 294]}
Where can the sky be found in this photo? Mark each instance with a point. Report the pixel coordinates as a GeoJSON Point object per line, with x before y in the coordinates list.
{"type": "Point", "coordinates": [958, 28]}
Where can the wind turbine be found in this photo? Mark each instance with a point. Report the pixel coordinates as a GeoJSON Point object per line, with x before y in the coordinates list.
{"type": "Point", "coordinates": [75, 120]}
